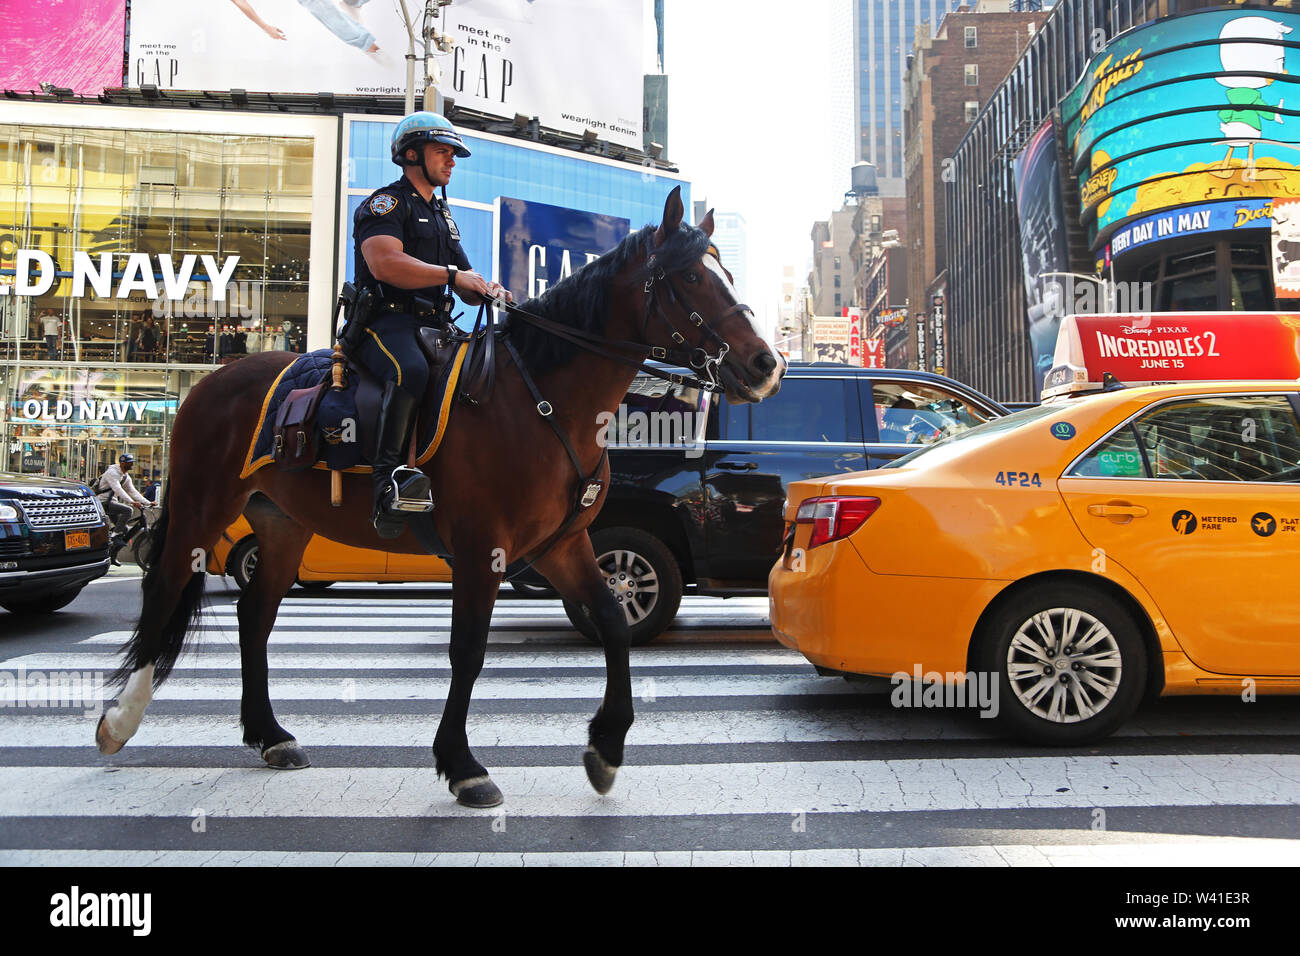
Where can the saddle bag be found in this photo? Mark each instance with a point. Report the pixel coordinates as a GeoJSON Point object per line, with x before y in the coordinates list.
{"type": "Point", "coordinates": [295, 443]}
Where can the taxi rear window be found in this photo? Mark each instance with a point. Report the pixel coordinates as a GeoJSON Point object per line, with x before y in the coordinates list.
{"type": "Point", "coordinates": [981, 433]}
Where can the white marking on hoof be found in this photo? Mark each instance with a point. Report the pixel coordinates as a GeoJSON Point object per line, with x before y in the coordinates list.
{"type": "Point", "coordinates": [460, 785]}
{"type": "Point", "coordinates": [123, 720]}
{"type": "Point", "coordinates": [105, 741]}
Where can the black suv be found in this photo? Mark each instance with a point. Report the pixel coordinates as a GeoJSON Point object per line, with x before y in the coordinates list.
{"type": "Point", "coordinates": [53, 540]}
{"type": "Point", "coordinates": [698, 485]}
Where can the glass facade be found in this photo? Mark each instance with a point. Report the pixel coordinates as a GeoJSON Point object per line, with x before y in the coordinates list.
{"type": "Point", "coordinates": [885, 32]}
{"type": "Point", "coordinates": [97, 363]}
{"type": "Point", "coordinates": [987, 320]}
{"type": "Point", "coordinates": [506, 168]}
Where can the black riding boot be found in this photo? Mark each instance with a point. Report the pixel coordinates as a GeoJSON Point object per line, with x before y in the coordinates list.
{"type": "Point", "coordinates": [398, 490]}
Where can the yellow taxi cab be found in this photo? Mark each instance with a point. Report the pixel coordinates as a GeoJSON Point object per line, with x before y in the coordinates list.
{"type": "Point", "coordinates": [324, 562]}
{"type": "Point", "coordinates": [1080, 556]}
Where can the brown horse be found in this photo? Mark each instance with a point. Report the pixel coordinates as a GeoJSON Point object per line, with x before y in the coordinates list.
{"type": "Point", "coordinates": [503, 481]}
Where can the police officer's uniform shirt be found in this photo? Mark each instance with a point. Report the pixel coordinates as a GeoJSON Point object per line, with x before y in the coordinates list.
{"type": "Point", "coordinates": [426, 230]}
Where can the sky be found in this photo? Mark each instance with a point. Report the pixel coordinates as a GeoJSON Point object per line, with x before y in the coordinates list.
{"type": "Point", "coordinates": [752, 123]}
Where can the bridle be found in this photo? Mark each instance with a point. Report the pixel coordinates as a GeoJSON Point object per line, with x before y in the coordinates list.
{"type": "Point", "coordinates": [698, 357]}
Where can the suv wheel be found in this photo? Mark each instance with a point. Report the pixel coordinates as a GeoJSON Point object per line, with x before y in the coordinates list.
{"type": "Point", "coordinates": [243, 562]}
{"type": "Point", "coordinates": [645, 578]}
{"type": "Point", "coordinates": [42, 605]}
{"type": "Point", "coordinates": [1070, 664]}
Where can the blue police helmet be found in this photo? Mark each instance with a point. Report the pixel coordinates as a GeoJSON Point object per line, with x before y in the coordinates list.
{"type": "Point", "coordinates": [425, 127]}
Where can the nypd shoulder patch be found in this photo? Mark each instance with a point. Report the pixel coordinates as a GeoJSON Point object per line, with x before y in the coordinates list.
{"type": "Point", "coordinates": [382, 204]}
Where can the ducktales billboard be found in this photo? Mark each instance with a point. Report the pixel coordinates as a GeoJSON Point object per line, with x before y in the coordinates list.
{"type": "Point", "coordinates": [1188, 111]}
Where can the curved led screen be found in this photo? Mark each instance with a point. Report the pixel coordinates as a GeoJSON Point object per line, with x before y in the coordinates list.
{"type": "Point", "coordinates": [1187, 110]}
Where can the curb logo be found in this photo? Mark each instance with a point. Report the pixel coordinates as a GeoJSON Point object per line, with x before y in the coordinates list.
{"type": "Point", "coordinates": [1184, 522]}
{"type": "Point", "coordinates": [1263, 524]}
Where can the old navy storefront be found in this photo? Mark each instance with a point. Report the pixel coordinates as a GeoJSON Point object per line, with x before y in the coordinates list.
{"type": "Point", "coordinates": [136, 257]}
{"type": "Point", "coordinates": [1185, 137]}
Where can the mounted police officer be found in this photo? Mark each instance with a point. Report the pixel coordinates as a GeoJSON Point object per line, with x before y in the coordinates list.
{"type": "Point", "coordinates": [409, 257]}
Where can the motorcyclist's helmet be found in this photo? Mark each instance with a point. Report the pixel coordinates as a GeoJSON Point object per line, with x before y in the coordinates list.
{"type": "Point", "coordinates": [424, 127]}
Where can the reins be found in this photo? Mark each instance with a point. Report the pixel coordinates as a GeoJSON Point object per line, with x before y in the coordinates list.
{"type": "Point", "coordinates": [697, 358]}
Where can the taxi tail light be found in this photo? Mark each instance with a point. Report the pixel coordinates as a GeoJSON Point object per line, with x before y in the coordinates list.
{"type": "Point", "coordinates": [836, 517]}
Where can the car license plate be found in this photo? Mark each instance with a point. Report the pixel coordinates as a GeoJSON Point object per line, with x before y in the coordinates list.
{"type": "Point", "coordinates": [72, 540]}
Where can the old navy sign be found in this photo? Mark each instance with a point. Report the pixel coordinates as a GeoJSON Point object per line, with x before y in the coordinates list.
{"type": "Point", "coordinates": [1193, 220]}
{"type": "Point", "coordinates": [541, 244]}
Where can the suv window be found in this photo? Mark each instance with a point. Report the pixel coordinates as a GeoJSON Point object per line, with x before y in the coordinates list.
{"type": "Point", "coordinates": [910, 413]}
{"type": "Point", "coordinates": [807, 410]}
{"type": "Point", "coordinates": [655, 412]}
{"type": "Point", "coordinates": [1247, 438]}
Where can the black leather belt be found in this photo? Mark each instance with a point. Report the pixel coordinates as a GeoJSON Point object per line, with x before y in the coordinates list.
{"type": "Point", "coordinates": [421, 309]}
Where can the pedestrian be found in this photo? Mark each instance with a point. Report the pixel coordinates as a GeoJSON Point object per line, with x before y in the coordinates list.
{"type": "Point", "coordinates": [408, 246]}
{"type": "Point", "coordinates": [147, 338]}
{"type": "Point", "coordinates": [51, 326]}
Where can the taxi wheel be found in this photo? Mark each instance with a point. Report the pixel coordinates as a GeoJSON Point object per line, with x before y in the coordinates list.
{"type": "Point", "coordinates": [644, 576]}
{"type": "Point", "coordinates": [243, 562]}
{"type": "Point", "coordinates": [1070, 663]}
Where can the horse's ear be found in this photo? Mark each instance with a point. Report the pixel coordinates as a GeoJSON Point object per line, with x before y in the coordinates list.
{"type": "Point", "coordinates": [707, 223]}
{"type": "Point", "coordinates": [673, 212]}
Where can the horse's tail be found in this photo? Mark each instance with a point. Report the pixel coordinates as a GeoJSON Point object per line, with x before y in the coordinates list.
{"type": "Point", "coordinates": [158, 640]}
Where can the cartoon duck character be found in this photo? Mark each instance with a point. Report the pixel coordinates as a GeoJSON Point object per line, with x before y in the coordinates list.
{"type": "Point", "coordinates": [1243, 122]}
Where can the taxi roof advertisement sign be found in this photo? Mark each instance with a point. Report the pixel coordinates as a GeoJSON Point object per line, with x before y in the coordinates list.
{"type": "Point", "coordinates": [1187, 110]}
{"type": "Point", "coordinates": [1180, 346]}
{"type": "Point", "coordinates": [510, 57]}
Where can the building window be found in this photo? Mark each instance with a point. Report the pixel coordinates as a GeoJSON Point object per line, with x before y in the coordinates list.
{"type": "Point", "coordinates": [837, 280]}
{"type": "Point", "coordinates": [837, 262]}
{"type": "Point", "coordinates": [971, 38]}
{"type": "Point", "coordinates": [972, 110]}
{"type": "Point", "coordinates": [837, 302]}
{"type": "Point", "coordinates": [972, 74]}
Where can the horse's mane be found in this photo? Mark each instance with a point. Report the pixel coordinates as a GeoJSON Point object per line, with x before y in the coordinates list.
{"type": "Point", "coordinates": [581, 299]}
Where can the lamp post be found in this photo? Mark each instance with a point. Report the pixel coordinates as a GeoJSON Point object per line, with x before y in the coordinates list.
{"type": "Point", "coordinates": [432, 41]}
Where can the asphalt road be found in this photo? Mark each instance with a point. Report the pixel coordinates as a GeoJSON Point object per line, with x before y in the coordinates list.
{"type": "Point", "coordinates": [740, 754]}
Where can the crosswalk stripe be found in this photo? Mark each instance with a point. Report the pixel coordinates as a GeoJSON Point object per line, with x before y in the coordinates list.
{"type": "Point", "coordinates": [1179, 851]}
{"type": "Point", "coordinates": [357, 686]}
{"type": "Point", "coordinates": [827, 787]}
{"type": "Point", "coordinates": [414, 635]}
{"type": "Point", "coordinates": [588, 657]}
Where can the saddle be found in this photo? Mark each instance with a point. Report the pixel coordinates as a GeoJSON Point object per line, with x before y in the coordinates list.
{"type": "Point", "coordinates": [311, 420]}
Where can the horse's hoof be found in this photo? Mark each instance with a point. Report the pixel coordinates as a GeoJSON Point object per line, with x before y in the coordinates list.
{"type": "Point", "coordinates": [477, 792]}
{"type": "Point", "coordinates": [600, 771]}
{"type": "Point", "coordinates": [286, 755]}
{"type": "Point", "coordinates": [106, 742]}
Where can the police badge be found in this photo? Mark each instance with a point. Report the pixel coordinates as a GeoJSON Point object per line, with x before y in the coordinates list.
{"type": "Point", "coordinates": [383, 204]}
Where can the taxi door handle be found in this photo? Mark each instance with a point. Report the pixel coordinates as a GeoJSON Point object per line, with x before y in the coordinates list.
{"type": "Point", "coordinates": [1118, 509]}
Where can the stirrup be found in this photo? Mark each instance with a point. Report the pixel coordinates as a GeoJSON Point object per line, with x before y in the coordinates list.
{"type": "Point", "coordinates": [410, 491]}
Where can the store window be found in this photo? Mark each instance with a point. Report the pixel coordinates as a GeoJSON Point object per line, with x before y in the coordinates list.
{"type": "Point", "coordinates": [1228, 276]}
{"type": "Point", "coordinates": [152, 193]}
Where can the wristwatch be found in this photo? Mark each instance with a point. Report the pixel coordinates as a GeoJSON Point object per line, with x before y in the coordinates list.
{"type": "Point", "coordinates": [451, 277]}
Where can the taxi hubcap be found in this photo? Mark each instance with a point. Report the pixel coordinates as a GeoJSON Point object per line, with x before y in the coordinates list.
{"type": "Point", "coordinates": [633, 582]}
{"type": "Point", "coordinates": [1064, 665]}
